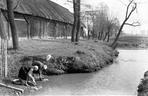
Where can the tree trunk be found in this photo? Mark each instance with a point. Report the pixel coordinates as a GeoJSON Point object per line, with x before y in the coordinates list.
{"type": "Point", "coordinates": [78, 22]}
{"type": "Point", "coordinates": [108, 38]}
{"type": "Point", "coordinates": [108, 33]}
{"type": "Point", "coordinates": [93, 33]}
{"type": "Point", "coordinates": [105, 36]}
{"type": "Point", "coordinates": [98, 35]}
{"type": "Point", "coordinates": [12, 24]}
{"type": "Point", "coordinates": [88, 34]}
{"type": "Point", "coordinates": [117, 37]}
{"type": "Point", "coordinates": [101, 34]}
{"type": "Point", "coordinates": [75, 23]}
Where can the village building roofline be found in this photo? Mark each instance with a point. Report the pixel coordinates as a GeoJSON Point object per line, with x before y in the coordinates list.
{"type": "Point", "coordinates": [42, 8]}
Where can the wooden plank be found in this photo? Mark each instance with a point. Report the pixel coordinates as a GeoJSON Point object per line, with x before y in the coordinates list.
{"type": "Point", "coordinates": [11, 87]}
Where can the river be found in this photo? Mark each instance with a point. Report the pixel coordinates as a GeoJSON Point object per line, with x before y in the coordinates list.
{"type": "Point", "coordinates": [120, 78]}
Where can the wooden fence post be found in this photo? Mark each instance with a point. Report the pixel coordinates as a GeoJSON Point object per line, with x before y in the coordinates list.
{"type": "Point", "coordinates": [4, 57]}
{"type": "Point", "coordinates": [3, 34]}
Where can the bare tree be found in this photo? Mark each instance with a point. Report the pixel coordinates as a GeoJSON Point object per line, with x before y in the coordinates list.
{"type": "Point", "coordinates": [112, 26]}
{"type": "Point", "coordinates": [96, 19]}
{"type": "Point", "coordinates": [133, 6]}
{"type": "Point", "coordinates": [89, 19]}
{"type": "Point", "coordinates": [100, 24]}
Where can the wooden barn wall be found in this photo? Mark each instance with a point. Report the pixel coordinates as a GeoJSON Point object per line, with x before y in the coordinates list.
{"type": "Point", "coordinates": [52, 29]}
{"type": "Point", "coordinates": [69, 29]}
{"type": "Point", "coordinates": [5, 23]}
{"type": "Point", "coordinates": [34, 28]}
{"type": "Point", "coordinates": [49, 28]}
{"type": "Point", "coordinates": [21, 28]}
{"type": "Point", "coordinates": [38, 27]}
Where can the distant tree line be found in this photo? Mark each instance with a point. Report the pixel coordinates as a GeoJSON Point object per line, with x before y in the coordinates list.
{"type": "Point", "coordinates": [102, 25]}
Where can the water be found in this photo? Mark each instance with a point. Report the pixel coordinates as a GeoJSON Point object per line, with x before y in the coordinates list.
{"type": "Point", "coordinates": [120, 78]}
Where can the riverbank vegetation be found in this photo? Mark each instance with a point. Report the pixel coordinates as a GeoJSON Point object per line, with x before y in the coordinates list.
{"type": "Point", "coordinates": [87, 56]}
{"type": "Point", "coordinates": [134, 42]}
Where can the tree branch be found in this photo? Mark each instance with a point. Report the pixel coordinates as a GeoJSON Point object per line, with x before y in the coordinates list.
{"type": "Point", "coordinates": [128, 8]}
{"type": "Point", "coordinates": [128, 14]}
{"type": "Point", "coordinates": [134, 24]}
{"type": "Point", "coordinates": [133, 9]}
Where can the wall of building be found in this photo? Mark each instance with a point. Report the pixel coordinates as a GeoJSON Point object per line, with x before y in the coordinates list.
{"type": "Point", "coordinates": [39, 27]}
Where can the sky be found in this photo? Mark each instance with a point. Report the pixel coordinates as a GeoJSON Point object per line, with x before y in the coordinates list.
{"type": "Point", "coordinates": [118, 8]}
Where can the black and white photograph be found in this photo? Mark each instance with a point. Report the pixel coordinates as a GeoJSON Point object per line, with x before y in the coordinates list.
{"type": "Point", "coordinates": [73, 47]}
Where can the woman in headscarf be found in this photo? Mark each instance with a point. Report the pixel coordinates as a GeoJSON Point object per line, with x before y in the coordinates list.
{"type": "Point", "coordinates": [41, 67]}
{"type": "Point", "coordinates": [26, 72]}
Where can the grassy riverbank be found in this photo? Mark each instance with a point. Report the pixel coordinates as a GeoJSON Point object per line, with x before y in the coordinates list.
{"type": "Point", "coordinates": [89, 56]}
{"type": "Point", "coordinates": [133, 42]}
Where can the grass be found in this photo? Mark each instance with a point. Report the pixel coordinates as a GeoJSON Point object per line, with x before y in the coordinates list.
{"type": "Point", "coordinates": [132, 42]}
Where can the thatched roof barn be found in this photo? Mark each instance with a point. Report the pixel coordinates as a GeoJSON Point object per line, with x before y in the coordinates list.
{"type": "Point", "coordinates": [40, 18]}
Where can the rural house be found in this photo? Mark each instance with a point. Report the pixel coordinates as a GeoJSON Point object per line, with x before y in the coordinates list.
{"type": "Point", "coordinates": [42, 18]}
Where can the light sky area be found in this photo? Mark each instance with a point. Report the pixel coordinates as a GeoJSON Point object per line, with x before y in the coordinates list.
{"type": "Point", "coordinates": [117, 8]}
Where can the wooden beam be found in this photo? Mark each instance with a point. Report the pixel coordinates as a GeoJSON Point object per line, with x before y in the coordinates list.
{"type": "Point", "coordinates": [11, 87]}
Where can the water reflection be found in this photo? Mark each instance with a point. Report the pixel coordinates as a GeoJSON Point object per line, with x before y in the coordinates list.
{"type": "Point", "coordinates": [120, 78]}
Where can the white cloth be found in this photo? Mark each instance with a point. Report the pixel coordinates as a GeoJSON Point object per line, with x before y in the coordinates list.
{"type": "Point", "coordinates": [48, 57]}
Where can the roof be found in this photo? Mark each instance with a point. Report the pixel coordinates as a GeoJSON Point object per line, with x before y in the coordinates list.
{"type": "Point", "coordinates": [42, 8]}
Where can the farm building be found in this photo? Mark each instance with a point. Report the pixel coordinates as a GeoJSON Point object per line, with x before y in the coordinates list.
{"type": "Point", "coordinates": [39, 18]}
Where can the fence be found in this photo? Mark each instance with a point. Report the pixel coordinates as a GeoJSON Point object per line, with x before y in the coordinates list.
{"type": "Point", "coordinates": [3, 55]}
